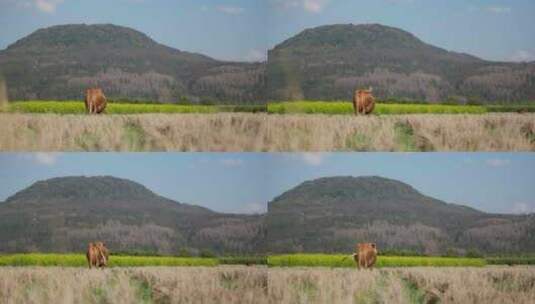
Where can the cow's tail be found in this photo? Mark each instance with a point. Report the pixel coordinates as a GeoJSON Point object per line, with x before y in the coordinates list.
{"type": "Point", "coordinates": [103, 261]}
{"type": "Point", "coordinates": [353, 255]}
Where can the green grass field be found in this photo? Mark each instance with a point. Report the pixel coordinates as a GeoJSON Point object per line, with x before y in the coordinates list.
{"type": "Point", "coordinates": [79, 260]}
{"type": "Point", "coordinates": [528, 260]}
{"type": "Point", "coordinates": [337, 260]}
{"type": "Point", "coordinates": [344, 107]}
{"type": "Point", "coordinates": [288, 260]}
{"type": "Point", "coordinates": [78, 107]}
{"type": "Point", "coordinates": [245, 260]}
{"type": "Point", "coordinates": [293, 107]}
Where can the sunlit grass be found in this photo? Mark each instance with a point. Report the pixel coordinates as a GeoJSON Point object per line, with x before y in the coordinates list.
{"type": "Point", "coordinates": [344, 107]}
{"type": "Point", "coordinates": [337, 260]}
{"type": "Point", "coordinates": [78, 107]}
{"type": "Point", "coordinates": [79, 260]}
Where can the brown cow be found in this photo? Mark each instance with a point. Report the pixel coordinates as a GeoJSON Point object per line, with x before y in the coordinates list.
{"type": "Point", "coordinates": [363, 102]}
{"type": "Point", "coordinates": [97, 255]}
{"type": "Point", "coordinates": [95, 101]}
{"type": "Point", "coordinates": [104, 254]}
{"type": "Point", "coordinates": [366, 254]}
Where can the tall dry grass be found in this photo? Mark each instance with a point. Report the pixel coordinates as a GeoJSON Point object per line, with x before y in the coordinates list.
{"type": "Point", "coordinates": [485, 285]}
{"type": "Point", "coordinates": [3, 95]}
{"type": "Point", "coordinates": [263, 132]}
{"type": "Point", "coordinates": [402, 285]}
{"type": "Point", "coordinates": [147, 132]}
{"type": "Point", "coordinates": [241, 284]}
{"type": "Point", "coordinates": [421, 132]}
{"type": "Point", "coordinates": [237, 284]}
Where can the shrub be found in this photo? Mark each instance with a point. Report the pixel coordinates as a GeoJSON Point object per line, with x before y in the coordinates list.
{"type": "Point", "coordinates": [529, 260]}
{"type": "Point", "coordinates": [244, 260]}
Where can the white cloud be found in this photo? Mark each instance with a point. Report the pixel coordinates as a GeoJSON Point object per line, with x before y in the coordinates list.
{"type": "Point", "coordinates": [45, 159]}
{"type": "Point", "coordinates": [231, 162]}
{"type": "Point", "coordinates": [232, 10]}
{"type": "Point", "coordinates": [254, 208]}
{"type": "Point", "coordinates": [311, 6]}
{"type": "Point", "coordinates": [47, 6]}
{"type": "Point", "coordinates": [314, 6]}
{"type": "Point", "coordinates": [498, 9]}
{"type": "Point", "coordinates": [400, 1]}
{"type": "Point", "coordinates": [498, 162]}
{"type": "Point", "coordinates": [522, 56]}
{"type": "Point", "coordinates": [313, 159]}
{"type": "Point", "coordinates": [523, 208]}
{"type": "Point", "coordinates": [256, 55]}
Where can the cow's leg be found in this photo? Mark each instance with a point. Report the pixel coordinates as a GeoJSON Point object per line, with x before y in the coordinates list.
{"type": "Point", "coordinates": [369, 108]}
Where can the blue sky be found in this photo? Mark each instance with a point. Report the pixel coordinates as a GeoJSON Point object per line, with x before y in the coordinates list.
{"type": "Point", "coordinates": [245, 29]}
{"type": "Point", "coordinates": [245, 182]}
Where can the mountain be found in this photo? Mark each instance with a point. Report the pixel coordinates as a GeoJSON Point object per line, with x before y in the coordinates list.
{"type": "Point", "coordinates": [333, 214]}
{"type": "Point", "coordinates": [329, 62]}
{"type": "Point", "coordinates": [64, 214]}
{"type": "Point", "coordinates": [60, 62]}
{"type": "Point", "coordinates": [323, 215]}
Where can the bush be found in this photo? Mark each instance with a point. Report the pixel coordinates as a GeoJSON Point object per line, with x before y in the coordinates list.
{"type": "Point", "coordinates": [244, 260]}
{"type": "Point", "coordinates": [511, 260]}
{"type": "Point", "coordinates": [393, 252]}
{"type": "Point", "coordinates": [527, 108]}
{"type": "Point", "coordinates": [183, 252]}
{"type": "Point", "coordinates": [473, 253]}
{"type": "Point", "coordinates": [206, 254]}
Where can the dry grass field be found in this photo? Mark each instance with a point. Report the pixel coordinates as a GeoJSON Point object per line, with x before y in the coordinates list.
{"type": "Point", "coordinates": [241, 284]}
{"type": "Point", "coordinates": [224, 284]}
{"type": "Point", "coordinates": [142, 132]}
{"type": "Point", "coordinates": [263, 132]}
{"type": "Point", "coordinates": [402, 285]}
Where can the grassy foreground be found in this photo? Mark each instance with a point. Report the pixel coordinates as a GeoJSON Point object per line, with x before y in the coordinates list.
{"type": "Point", "coordinates": [207, 285]}
{"type": "Point", "coordinates": [78, 107]}
{"type": "Point", "coordinates": [259, 285]}
{"type": "Point", "coordinates": [337, 260]}
{"type": "Point", "coordinates": [403, 285]}
{"type": "Point", "coordinates": [238, 132]}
